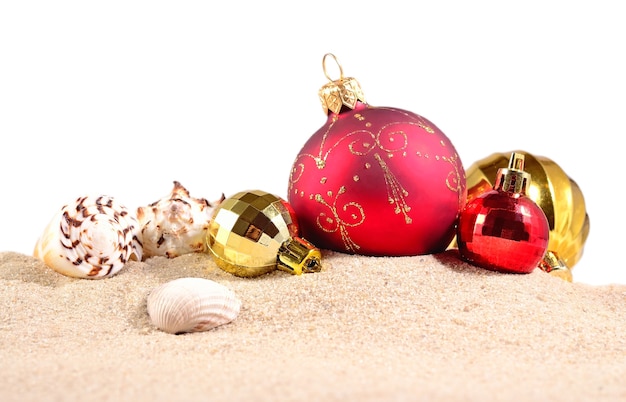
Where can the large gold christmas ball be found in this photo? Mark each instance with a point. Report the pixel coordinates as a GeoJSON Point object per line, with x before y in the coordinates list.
{"type": "Point", "coordinates": [553, 190]}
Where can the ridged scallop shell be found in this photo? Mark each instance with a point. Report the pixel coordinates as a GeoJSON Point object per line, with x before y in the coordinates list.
{"type": "Point", "coordinates": [176, 224]}
{"type": "Point", "coordinates": [92, 237]}
{"type": "Point", "coordinates": [191, 305]}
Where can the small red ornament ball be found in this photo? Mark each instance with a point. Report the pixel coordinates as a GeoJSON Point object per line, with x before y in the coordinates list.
{"type": "Point", "coordinates": [503, 231]}
{"type": "Point", "coordinates": [378, 181]}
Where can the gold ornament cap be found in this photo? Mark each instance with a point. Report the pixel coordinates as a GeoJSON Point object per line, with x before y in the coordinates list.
{"type": "Point", "coordinates": [345, 91]}
{"type": "Point", "coordinates": [552, 264]}
{"type": "Point", "coordinates": [298, 256]}
{"type": "Point", "coordinates": [513, 179]}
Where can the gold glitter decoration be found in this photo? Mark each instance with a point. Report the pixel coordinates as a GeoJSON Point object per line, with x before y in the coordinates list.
{"type": "Point", "coordinates": [333, 222]}
{"type": "Point", "coordinates": [453, 181]}
{"type": "Point", "coordinates": [397, 193]}
{"type": "Point", "coordinates": [427, 128]}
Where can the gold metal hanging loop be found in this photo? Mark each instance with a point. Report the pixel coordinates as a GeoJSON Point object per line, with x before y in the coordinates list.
{"type": "Point", "coordinates": [338, 65]}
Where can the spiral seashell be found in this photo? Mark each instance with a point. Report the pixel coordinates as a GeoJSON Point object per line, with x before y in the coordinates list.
{"type": "Point", "coordinates": [191, 305]}
{"type": "Point", "coordinates": [91, 238]}
{"type": "Point", "coordinates": [176, 224]}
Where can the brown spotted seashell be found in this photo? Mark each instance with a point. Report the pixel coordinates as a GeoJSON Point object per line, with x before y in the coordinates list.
{"type": "Point", "coordinates": [176, 224]}
{"type": "Point", "coordinates": [92, 238]}
{"type": "Point", "coordinates": [191, 305]}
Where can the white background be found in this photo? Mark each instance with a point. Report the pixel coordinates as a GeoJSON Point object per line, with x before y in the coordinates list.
{"type": "Point", "coordinates": [124, 97]}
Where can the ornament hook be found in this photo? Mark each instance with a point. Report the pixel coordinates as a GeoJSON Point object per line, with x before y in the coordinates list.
{"type": "Point", "coordinates": [338, 65]}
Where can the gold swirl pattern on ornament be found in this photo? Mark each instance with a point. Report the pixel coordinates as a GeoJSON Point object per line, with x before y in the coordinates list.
{"type": "Point", "coordinates": [390, 142]}
{"type": "Point", "coordinates": [320, 159]}
{"type": "Point", "coordinates": [420, 121]}
{"type": "Point", "coordinates": [296, 173]}
{"type": "Point", "coordinates": [455, 177]}
{"type": "Point", "coordinates": [332, 222]}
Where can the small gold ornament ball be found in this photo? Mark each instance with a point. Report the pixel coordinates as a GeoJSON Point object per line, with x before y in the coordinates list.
{"type": "Point", "coordinates": [254, 232]}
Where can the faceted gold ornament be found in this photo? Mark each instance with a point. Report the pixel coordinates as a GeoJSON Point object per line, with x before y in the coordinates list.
{"type": "Point", "coordinates": [558, 196]}
{"type": "Point", "coordinates": [254, 232]}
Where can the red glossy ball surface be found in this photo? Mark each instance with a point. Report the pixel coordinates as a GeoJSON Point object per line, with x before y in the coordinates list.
{"type": "Point", "coordinates": [503, 232]}
{"type": "Point", "coordinates": [378, 181]}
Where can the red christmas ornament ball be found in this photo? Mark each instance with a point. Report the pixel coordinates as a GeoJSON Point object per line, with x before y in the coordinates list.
{"type": "Point", "coordinates": [502, 229]}
{"type": "Point", "coordinates": [502, 233]}
{"type": "Point", "coordinates": [378, 181]}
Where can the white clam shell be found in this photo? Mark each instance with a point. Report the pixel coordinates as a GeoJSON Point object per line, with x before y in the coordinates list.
{"type": "Point", "coordinates": [191, 305]}
{"type": "Point", "coordinates": [176, 224]}
{"type": "Point", "coordinates": [92, 238]}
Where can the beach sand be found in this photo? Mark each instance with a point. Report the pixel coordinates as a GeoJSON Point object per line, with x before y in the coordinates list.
{"type": "Point", "coordinates": [420, 328]}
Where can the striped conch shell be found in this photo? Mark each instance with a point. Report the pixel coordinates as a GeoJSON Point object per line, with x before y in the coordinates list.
{"type": "Point", "coordinates": [176, 224]}
{"type": "Point", "coordinates": [91, 238]}
{"type": "Point", "coordinates": [191, 305]}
